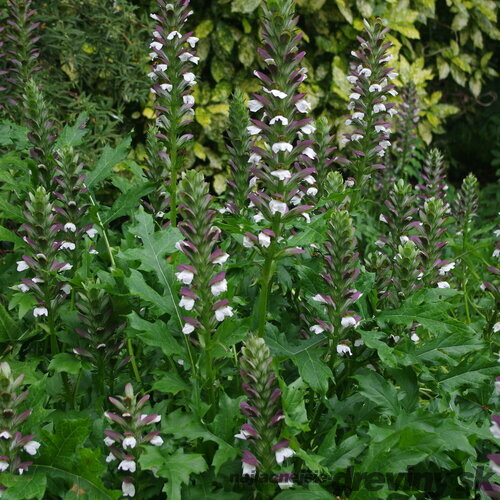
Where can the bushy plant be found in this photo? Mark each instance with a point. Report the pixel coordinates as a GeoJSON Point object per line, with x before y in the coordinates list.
{"type": "Point", "coordinates": [327, 329]}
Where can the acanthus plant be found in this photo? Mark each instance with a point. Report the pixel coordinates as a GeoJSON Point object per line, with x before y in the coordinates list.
{"type": "Point", "coordinates": [281, 158]}
{"type": "Point", "coordinates": [263, 430]}
{"type": "Point", "coordinates": [134, 433]}
{"type": "Point", "coordinates": [14, 446]}
{"type": "Point", "coordinates": [205, 284]}
{"type": "Point", "coordinates": [370, 109]}
{"type": "Point", "coordinates": [173, 57]}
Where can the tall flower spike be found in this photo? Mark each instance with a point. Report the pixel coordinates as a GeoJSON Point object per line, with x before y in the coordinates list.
{"type": "Point", "coordinates": [406, 272]}
{"type": "Point", "coordinates": [22, 52]}
{"type": "Point", "coordinates": [406, 138]}
{"type": "Point", "coordinates": [101, 333]}
{"type": "Point", "coordinates": [174, 57]}
{"type": "Point", "coordinates": [340, 275]}
{"type": "Point", "coordinates": [13, 445]}
{"type": "Point", "coordinates": [433, 175]}
{"type": "Point", "coordinates": [369, 107]}
{"type": "Point", "coordinates": [239, 152]}
{"type": "Point", "coordinates": [263, 410]}
{"type": "Point", "coordinates": [41, 134]}
{"type": "Point", "coordinates": [132, 433]}
{"type": "Point", "coordinates": [430, 239]}
{"type": "Point", "coordinates": [467, 203]}
{"type": "Point", "coordinates": [71, 205]}
{"type": "Point", "coordinates": [282, 160]}
{"type": "Point", "coordinates": [43, 237]}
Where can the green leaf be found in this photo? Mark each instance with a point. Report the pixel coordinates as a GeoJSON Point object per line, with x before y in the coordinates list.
{"type": "Point", "coordinates": [294, 406]}
{"type": "Point", "coordinates": [313, 370]}
{"type": "Point", "coordinates": [170, 383]}
{"type": "Point", "coordinates": [65, 362]}
{"type": "Point", "coordinates": [10, 211]}
{"type": "Point", "coordinates": [138, 286]}
{"type": "Point", "coordinates": [108, 159]}
{"type": "Point", "coordinates": [340, 457]}
{"type": "Point", "coordinates": [25, 487]}
{"type": "Point", "coordinates": [380, 391]}
{"type": "Point", "coordinates": [8, 326]}
{"type": "Point", "coordinates": [7, 235]}
{"type": "Point", "coordinates": [154, 335]}
{"type": "Point", "coordinates": [244, 6]}
{"type": "Point", "coordinates": [177, 469]}
{"type": "Point", "coordinates": [73, 135]}
{"type": "Point", "coordinates": [127, 202]}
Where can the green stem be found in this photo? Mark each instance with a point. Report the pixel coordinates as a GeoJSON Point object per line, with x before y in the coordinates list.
{"type": "Point", "coordinates": [104, 234]}
{"type": "Point", "coordinates": [267, 274]}
{"type": "Point", "coordinates": [173, 181]}
{"type": "Point", "coordinates": [132, 360]}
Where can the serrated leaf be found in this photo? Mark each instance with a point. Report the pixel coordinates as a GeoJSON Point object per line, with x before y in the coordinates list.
{"type": "Point", "coordinates": [340, 457]}
{"type": "Point", "coordinates": [108, 159]}
{"type": "Point", "coordinates": [127, 202]}
{"type": "Point", "coordinates": [314, 372]}
{"type": "Point", "coordinates": [7, 235]}
{"type": "Point", "coordinates": [65, 362]}
{"type": "Point", "coordinates": [24, 487]}
{"type": "Point", "coordinates": [170, 383]}
{"type": "Point", "coordinates": [380, 391]}
{"type": "Point", "coordinates": [73, 135]}
{"type": "Point", "coordinates": [244, 6]}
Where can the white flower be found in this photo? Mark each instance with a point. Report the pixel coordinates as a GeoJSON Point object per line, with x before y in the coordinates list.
{"type": "Point", "coordinates": [307, 217]}
{"type": "Point", "coordinates": [308, 129]}
{"type": "Point", "coordinates": [93, 251]}
{"type": "Point", "coordinates": [171, 35]}
{"type": "Point", "coordinates": [160, 214]}
{"type": "Point", "coordinates": [66, 267]}
{"type": "Point", "coordinates": [192, 40]}
{"type": "Point", "coordinates": [187, 329]}
{"type": "Point", "coordinates": [282, 146]}
{"type": "Point", "coordinates": [392, 75]}
{"type": "Point", "coordinates": [496, 252]}
{"type": "Point", "coordinates": [254, 105]}
{"type": "Point", "coordinates": [269, 60]}
{"type": "Point", "coordinates": [277, 206]}
{"type": "Point", "coordinates": [378, 107]}
{"type": "Point", "coordinates": [354, 96]}
{"type": "Point", "coordinates": [348, 321]}
{"type": "Point", "coordinates": [344, 349]}
{"type": "Point", "coordinates": [382, 218]}
{"type": "Point", "coordinates": [22, 287]}
{"type": "Point", "coordinates": [279, 94]}
{"type": "Point", "coordinates": [349, 183]}
{"type": "Point", "coordinates": [310, 153]}
{"type": "Point", "coordinates": [128, 489]}
{"type": "Point", "coordinates": [187, 303]}
{"type": "Point", "coordinates": [496, 327]}
{"type": "Point", "coordinates": [317, 329]}
{"type": "Point", "coordinates": [358, 115]}
{"type": "Point", "coordinates": [40, 311]}
{"type": "Point", "coordinates": [247, 242]}
{"type": "Point", "coordinates": [385, 144]}
{"type": "Point", "coordinates": [264, 240]}
{"type": "Point", "coordinates": [302, 106]}
{"type": "Point", "coordinates": [352, 79]}
{"type": "Point", "coordinates": [155, 421]}
{"type": "Point", "coordinates": [381, 128]}
{"type": "Point", "coordinates": [387, 58]}
{"type": "Point", "coordinates": [319, 298]}
{"type": "Point", "coordinates": [31, 447]}
{"type": "Point", "coordinates": [309, 179]}
{"type": "Point", "coordinates": [110, 458]}
{"type": "Point", "coordinates": [127, 465]}
{"type": "Point", "coordinates": [5, 435]}
{"type": "Point", "coordinates": [108, 441]}
{"type": "Point", "coordinates": [156, 45]}
{"type": "Point", "coordinates": [248, 470]}
{"type": "Point", "coordinates": [91, 232]}
{"type": "Point", "coordinates": [69, 226]}
{"type": "Point", "coordinates": [366, 72]}
{"type": "Point", "coordinates": [380, 243]}
{"type": "Point", "coordinates": [495, 430]}
{"type": "Point", "coordinates": [375, 87]}
{"type": "Point", "coordinates": [253, 130]}
{"type": "Point", "coordinates": [351, 105]}
{"type": "Point", "coordinates": [219, 287]}
{"type": "Point", "coordinates": [188, 100]}
{"type": "Point", "coordinates": [348, 122]}
{"type": "Point", "coordinates": [185, 276]}
{"type": "Point", "coordinates": [282, 175]}
{"type": "Point", "coordinates": [393, 92]}
{"type": "Point", "coordinates": [22, 266]}
{"type": "Point", "coordinates": [285, 485]}
{"type": "Point", "coordinates": [189, 78]}
{"type": "Point", "coordinates": [3, 465]}
{"type": "Point", "coordinates": [279, 118]}
{"type": "Point", "coordinates": [443, 284]}
{"type": "Point", "coordinates": [283, 453]}
{"type": "Point", "coordinates": [404, 239]}
{"type": "Point", "coordinates": [258, 217]}
{"type": "Point", "coordinates": [37, 280]}
{"type": "Point", "coordinates": [446, 268]}
{"type": "Point", "coordinates": [254, 158]}
{"type": "Point", "coordinates": [223, 312]}
{"type": "Point", "coordinates": [156, 441]}
{"type": "Point", "coordinates": [414, 337]}
{"type": "Point", "coordinates": [129, 441]}
{"type": "Point", "coordinates": [392, 111]}
{"type": "Point", "coordinates": [68, 245]}
{"type": "Point", "coordinates": [187, 56]}
{"type": "Point", "coordinates": [312, 191]}
{"type": "Point", "coordinates": [221, 259]}
{"type": "Point", "coordinates": [356, 137]}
